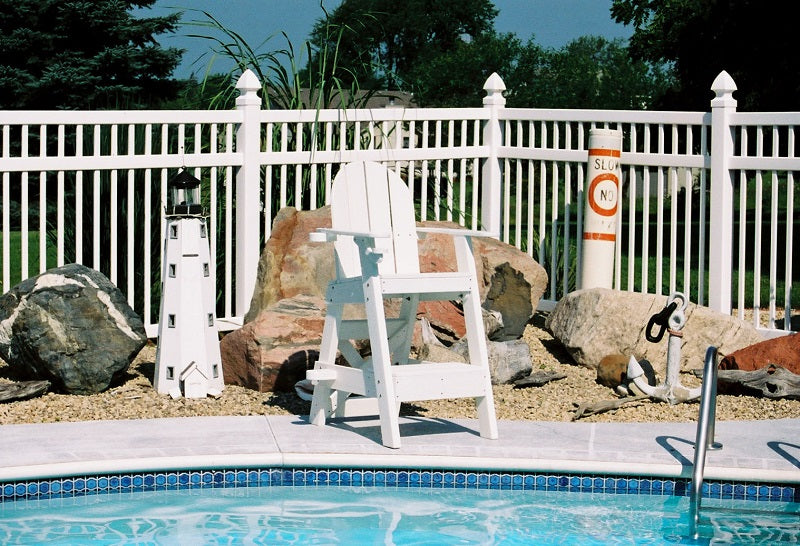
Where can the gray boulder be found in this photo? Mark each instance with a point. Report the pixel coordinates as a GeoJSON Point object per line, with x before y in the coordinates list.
{"type": "Point", "coordinates": [508, 360]}
{"type": "Point", "coordinates": [597, 322]}
{"type": "Point", "coordinates": [71, 326]}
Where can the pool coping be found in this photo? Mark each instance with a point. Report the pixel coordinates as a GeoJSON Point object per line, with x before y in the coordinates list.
{"type": "Point", "coordinates": [754, 451]}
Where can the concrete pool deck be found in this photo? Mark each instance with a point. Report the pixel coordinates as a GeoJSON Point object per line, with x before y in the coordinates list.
{"type": "Point", "coordinates": [754, 451]}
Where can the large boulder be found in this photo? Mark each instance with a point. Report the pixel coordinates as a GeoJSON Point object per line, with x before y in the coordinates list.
{"type": "Point", "coordinates": [283, 327]}
{"type": "Point", "coordinates": [70, 326]}
{"type": "Point", "coordinates": [510, 281]}
{"type": "Point", "coordinates": [597, 322]}
{"type": "Point", "coordinates": [273, 351]}
{"type": "Point", "coordinates": [290, 264]}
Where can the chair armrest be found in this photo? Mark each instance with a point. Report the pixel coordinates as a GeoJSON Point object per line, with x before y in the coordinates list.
{"type": "Point", "coordinates": [363, 240]}
{"type": "Point", "coordinates": [322, 235]}
{"type": "Point", "coordinates": [455, 232]}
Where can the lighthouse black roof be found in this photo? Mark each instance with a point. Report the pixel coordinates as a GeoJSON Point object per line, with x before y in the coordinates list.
{"type": "Point", "coordinates": [185, 207]}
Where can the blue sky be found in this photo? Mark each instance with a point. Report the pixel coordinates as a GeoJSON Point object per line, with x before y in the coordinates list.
{"type": "Point", "coordinates": [553, 23]}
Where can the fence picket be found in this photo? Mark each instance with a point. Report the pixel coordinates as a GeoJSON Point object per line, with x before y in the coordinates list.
{"type": "Point", "coordinates": [516, 171]}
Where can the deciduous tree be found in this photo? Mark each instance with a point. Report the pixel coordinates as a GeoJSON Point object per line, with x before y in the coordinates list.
{"type": "Point", "coordinates": [381, 41]}
{"type": "Point", "coordinates": [455, 78]}
{"type": "Point", "coordinates": [589, 72]}
{"type": "Point", "coordinates": [754, 41]}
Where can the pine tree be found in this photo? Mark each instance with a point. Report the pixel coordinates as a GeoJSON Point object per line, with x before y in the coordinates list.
{"type": "Point", "coordinates": [84, 54]}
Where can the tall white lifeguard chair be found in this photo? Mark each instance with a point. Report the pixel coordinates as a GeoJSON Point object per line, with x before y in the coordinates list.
{"type": "Point", "coordinates": [377, 258]}
{"type": "Point", "coordinates": [188, 360]}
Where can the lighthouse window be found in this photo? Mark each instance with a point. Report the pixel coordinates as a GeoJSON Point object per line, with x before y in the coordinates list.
{"type": "Point", "coordinates": [170, 321]}
{"type": "Point", "coordinates": [172, 269]}
{"type": "Point", "coordinates": [205, 270]}
{"type": "Point", "coordinates": [211, 319]}
{"type": "Point", "coordinates": [215, 370]}
{"type": "Point", "coordinates": [203, 231]}
{"type": "Point", "coordinates": [173, 231]}
{"type": "Point", "coordinates": [170, 372]}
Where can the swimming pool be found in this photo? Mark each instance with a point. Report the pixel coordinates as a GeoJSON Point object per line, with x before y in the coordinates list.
{"type": "Point", "coordinates": [401, 506]}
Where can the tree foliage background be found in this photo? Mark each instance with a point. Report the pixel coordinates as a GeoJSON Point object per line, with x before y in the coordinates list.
{"type": "Point", "coordinates": [443, 51]}
{"type": "Point", "coordinates": [95, 54]}
{"type": "Point", "coordinates": [754, 41]}
{"type": "Point", "coordinates": [84, 54]}
{"type": "Point", "coordinates": [383, 40]}
{"type": "Point", "coordinates": [589, 72]}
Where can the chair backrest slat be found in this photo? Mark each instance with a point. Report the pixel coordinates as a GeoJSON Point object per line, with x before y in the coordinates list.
{"type": "Point", "coordinates": [368, 197]}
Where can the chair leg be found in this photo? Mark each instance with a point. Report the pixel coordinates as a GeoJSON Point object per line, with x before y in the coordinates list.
{"type": "Point", "coordinates": [486, 417]}
{"type": "Point", "coordinates": [321, 403]}
{"type": "Point", "coordinates": [479, 356]}
{"type": "Point", "coordinates": [381, 362]}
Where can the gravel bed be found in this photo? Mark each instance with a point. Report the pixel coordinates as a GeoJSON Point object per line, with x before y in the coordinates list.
{"type": "Point", "coordinates": [135, 398]}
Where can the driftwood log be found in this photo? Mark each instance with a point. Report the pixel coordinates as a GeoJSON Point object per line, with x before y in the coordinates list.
{"type": "Point", "coordinates": [22, 390]}
{"type": "Point", "coordinates": [770, 382]}
{"type": "Point", "coordinates": [537, 379]}
{"type": "Point", "coordinates": [590, 408]}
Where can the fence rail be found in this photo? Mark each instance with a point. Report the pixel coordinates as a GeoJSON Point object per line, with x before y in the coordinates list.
{"type": "Point", "coordinates": [707, 198]}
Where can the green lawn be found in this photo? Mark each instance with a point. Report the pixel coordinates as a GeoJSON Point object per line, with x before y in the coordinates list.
{"type": "Point", "coordinates": [33, 268]}
{"type": "Point", "coordinates": [33, 256]}
{"type": "Point", "coordinates": [749, 279]}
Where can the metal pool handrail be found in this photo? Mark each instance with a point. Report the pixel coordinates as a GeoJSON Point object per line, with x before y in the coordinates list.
{"type": "Point", "coordinates": [704, 440]}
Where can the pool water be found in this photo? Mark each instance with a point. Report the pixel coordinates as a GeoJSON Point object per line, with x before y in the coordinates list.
{"type": "Point", "coordinates": [383, 515]}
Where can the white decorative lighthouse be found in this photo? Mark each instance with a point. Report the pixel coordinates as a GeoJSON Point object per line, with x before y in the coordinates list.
{"type": "Point", "coordinates": [188, 359]}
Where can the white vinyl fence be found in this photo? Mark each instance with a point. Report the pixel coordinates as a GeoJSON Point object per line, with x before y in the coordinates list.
{"type": "Point", "coordinates": [706, 208]}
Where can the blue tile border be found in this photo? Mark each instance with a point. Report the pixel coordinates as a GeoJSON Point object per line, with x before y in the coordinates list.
{"type": "Point", "coordinates": [394, 478]}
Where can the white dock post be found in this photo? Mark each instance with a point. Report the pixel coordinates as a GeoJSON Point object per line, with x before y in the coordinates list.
{"type": "Point", "coordinates": [600, 212]}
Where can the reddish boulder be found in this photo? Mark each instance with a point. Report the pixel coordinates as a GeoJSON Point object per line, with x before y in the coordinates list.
{"type": "Point", "coordinates": [290, 264]}
{"type": "Point", "coordinates": [510, 281]}
{"type": "Point", "coordinates": [613, 371]}
{"type": "Point", "coordinates": [273, 351]}
{"type": "Point", "coordinates": [781, 351]}
{"type": "Point", "coordinates": [283, 327]}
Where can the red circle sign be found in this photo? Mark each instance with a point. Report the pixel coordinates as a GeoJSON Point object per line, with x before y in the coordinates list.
{"type": "Point", "coordinates": [593, 202]}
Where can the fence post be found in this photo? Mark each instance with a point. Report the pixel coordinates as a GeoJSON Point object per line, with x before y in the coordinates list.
{"type": "Point", "coordinates": [248, 180]}
{"type": "Point", "coordinates": [492, 171]}
{"type": "Point", "coordinates": [720, 250]}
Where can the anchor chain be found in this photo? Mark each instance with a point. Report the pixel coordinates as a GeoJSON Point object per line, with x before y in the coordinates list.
{"type": "Point", "coordinates": [660, 319]}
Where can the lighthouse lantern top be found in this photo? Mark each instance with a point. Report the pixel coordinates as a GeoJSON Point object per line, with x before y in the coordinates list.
{"type": "Point", "coordinates": [184, 196]}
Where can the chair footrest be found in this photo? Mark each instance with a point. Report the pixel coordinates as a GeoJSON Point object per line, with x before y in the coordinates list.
{"type": "Point", "coordinates": [436, 380]}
